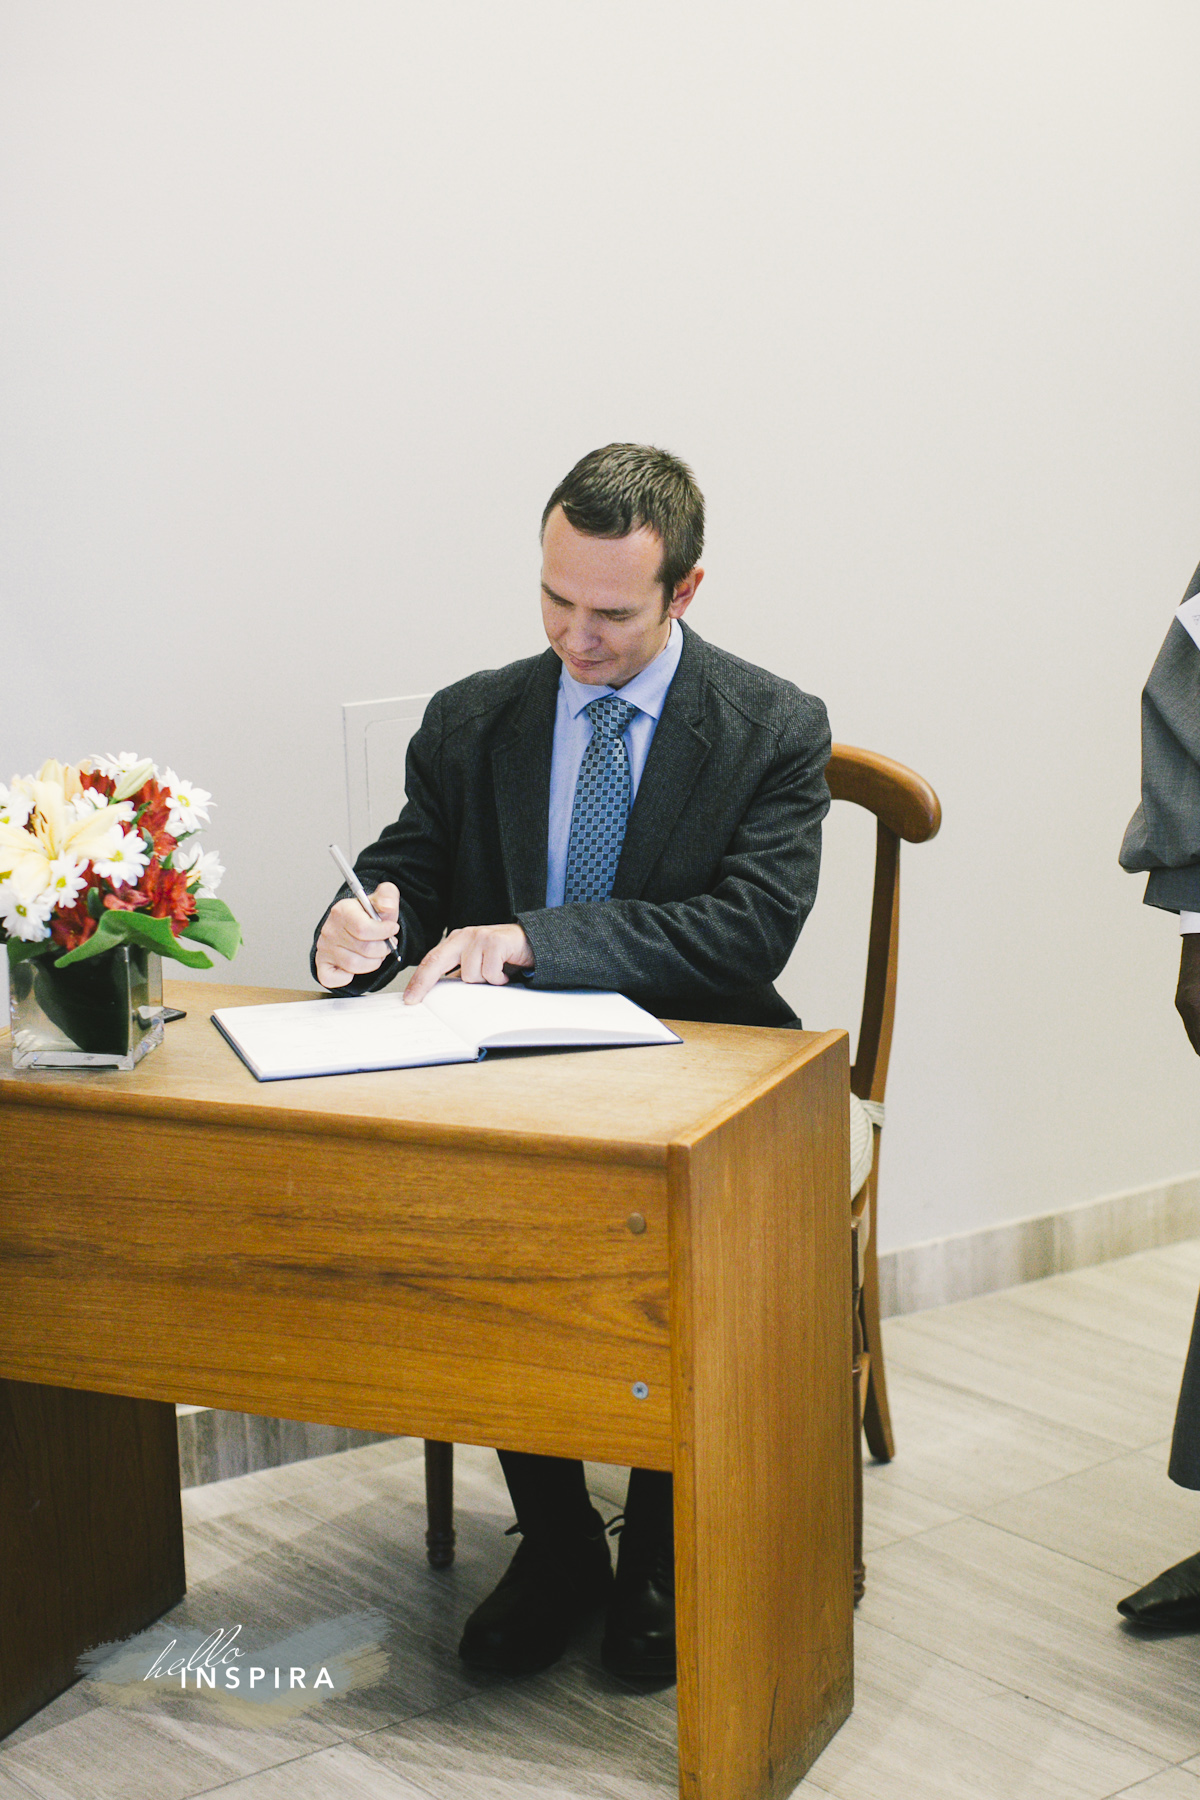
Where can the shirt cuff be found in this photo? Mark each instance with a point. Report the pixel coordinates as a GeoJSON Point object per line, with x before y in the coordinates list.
{"type": "Point", "coordinates": [1189, 921]}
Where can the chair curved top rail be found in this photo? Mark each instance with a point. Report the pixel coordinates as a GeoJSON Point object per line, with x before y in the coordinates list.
{"type": "Point", "coordinates": [899, 797]}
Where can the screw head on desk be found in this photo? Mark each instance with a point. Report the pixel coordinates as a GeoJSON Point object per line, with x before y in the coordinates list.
{"type": "Point", "coordinates": [639, 1390]}
{"type": "Point", "coordinates": [636, 1224]}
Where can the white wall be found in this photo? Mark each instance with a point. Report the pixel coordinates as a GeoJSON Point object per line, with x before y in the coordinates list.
{"type": "Point", "coordinates": [310, 304]}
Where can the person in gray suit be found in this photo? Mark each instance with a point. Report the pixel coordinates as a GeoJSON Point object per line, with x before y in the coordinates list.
{"type": "Point", "coordinates": [632, 809]}
{"type": "Point", "coordinates": [1163, 838]}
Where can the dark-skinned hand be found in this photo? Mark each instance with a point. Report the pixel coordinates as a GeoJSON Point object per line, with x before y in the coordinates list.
{"type": "Point", "coordinates": [1187, 994]}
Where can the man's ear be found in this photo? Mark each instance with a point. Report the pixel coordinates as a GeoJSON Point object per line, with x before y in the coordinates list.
{"type": "Point", "coordinates": [685, 593]}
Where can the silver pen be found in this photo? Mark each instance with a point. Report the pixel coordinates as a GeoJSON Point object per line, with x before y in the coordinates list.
{"type": "Point", "coordinates": [360, 894]}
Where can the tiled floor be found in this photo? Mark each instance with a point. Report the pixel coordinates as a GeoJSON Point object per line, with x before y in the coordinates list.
{"type": "Point", "coordinates": [1028, 1495]}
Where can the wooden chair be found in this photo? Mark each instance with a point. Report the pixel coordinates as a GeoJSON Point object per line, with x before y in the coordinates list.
{"type": "Point", "coordinates": [905, 806]}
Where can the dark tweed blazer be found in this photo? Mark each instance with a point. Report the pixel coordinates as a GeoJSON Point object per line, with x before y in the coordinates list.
{"type": "Point", "coordinates": [1164, 838]}
{"type": "Point", "coordinates": [718, 870]}
{"type": "Point", "coordinates": [1163, 835]}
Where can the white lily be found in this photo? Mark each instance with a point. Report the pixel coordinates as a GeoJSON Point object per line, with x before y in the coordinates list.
{"type": "Point", "coordinates": [133, 779]}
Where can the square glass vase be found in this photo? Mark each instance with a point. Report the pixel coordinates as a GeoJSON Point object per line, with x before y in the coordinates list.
{"type": "Point", "coordinates": [102, 1013]}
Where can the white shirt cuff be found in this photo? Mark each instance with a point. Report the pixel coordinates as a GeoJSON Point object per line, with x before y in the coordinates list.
{"type": "Point", "coordinates": [1189, 921]}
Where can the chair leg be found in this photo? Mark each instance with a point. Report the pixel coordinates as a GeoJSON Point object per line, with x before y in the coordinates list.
{"type": "Point", "coordinates": [876, 1416]}
{"type": "Point", "coordinates": [439, 1503]}
{"type": "Point", "coordinates": [860, 1569]}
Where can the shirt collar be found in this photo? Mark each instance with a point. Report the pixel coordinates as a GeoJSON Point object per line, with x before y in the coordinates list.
{"type": "Point", "coordinates": [648, 689]}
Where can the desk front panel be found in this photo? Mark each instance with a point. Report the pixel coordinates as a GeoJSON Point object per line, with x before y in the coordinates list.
{"type": "Point", "coordinates": [442, 1292]}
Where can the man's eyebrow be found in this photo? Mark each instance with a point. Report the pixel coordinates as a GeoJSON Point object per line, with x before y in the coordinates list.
{"type": "Point", "coordinates": [605, 612]}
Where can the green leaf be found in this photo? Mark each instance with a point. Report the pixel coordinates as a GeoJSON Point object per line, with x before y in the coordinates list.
{"type": "Point", "coordinates": [216, 926]}
{"type": "Point", "coordinates": [138, 928]}
{"type": "Point", "coordinates": [20, 950]}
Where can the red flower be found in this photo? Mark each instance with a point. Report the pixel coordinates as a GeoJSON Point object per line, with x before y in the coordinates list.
{"type": "Point", "coordinates": [103, 784]}
{"type": "Point", "coordinates": [72, 925]}
{"type": "Point", "coordinates": [152, 810]}
{"type": "Point", "coordinates": [127, 900]}
{"type": "Point", "coordinates": [166, 896]}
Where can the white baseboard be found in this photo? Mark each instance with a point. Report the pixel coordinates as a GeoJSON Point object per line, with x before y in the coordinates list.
{"type": "Point", "coordinates": [1001, 1256]}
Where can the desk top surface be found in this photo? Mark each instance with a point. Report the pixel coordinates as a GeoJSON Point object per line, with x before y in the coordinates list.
{"type": "Point", "coordinates": [627, 1104]}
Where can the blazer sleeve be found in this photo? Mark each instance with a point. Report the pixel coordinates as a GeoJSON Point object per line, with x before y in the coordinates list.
{"type": "Point", "coordinates": [738, 933]}
{"type": "Point", "coordinates": [1163, 836]}
{"type": "Point", "coordinates": [415, 852]}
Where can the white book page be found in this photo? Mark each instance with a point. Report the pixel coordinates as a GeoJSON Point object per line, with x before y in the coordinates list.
{"type": "Point", "coordinates": [520, 1018]}
{"type": "Point", "coordinates": [340, 1037]}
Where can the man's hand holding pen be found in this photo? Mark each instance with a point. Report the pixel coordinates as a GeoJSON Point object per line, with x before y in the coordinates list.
{"type": "Point", "coordinates": [353, 943]}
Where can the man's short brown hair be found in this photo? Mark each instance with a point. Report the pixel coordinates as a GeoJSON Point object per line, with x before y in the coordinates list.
{"type": "Point", "coordinates": [625, 487]}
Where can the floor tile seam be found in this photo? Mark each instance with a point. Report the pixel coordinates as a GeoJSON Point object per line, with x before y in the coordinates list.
{"type": "Point", "coordinates": [964, 1512]}
{"type": "Point", "coordinates": [1046, 1706]}
{"type": "Point", "coordinates": [954, 1387]}
{"type": "Point", "coordinates": [406, 1718]}
{"type": "Point", "coordinates": [1079, 1561]}
{"type": "Point", "coordinates": [1040, 1487]}
{"type": "Point", "coordinates": [286, 1762]}
{"type": "Point", "coordinates": [1070, 1327]}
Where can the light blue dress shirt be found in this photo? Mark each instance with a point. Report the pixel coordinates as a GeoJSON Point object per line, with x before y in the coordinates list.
{"type": "Point", "coordinates": [572, 734]}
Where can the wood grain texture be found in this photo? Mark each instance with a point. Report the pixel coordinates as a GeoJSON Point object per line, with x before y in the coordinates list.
{"type": "Point", "coordinates": [465, 1296]}
{"type": "Point", "coordinates": [763, 1432]}
{"type": "Point", "coordinates": [599, 1104]}
{"type": "Point", "coordinates": [446, 1253]}
{"type": "Point", "coordinates": [899, 797]}
{"type": "Point", "coordinates": [91, 1532]}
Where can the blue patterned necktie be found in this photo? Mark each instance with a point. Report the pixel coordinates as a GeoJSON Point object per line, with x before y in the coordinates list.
{"type": "Point", "coordinates": [601, 809]}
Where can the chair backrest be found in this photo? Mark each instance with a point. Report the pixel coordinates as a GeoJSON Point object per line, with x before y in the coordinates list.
{"type": "Point", "coordinates": [905, 806]}
{"type": "Point", "coordinates": [376, 736]}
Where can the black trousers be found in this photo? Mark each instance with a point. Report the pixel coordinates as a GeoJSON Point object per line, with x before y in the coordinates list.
{"type": "Point", "coordinates": [550, 1497]}
{"type": "Point", "coordinates": [1184, 1466]}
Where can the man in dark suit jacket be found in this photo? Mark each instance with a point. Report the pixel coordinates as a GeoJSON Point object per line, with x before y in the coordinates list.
{"type": "Point", "coordinates": [668, 849]}
{"type": "Point", "coordinates": [1163, 838]}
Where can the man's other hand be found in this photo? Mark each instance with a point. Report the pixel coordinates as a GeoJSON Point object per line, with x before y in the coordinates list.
{"type": "Point", "coordinates": [351, 942]}
{"type": "Point", "coordinates": [478, 952]}
{"type": "Point", "coordinates": [1187, 994]}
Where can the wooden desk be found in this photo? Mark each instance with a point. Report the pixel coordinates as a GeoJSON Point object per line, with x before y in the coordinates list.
{"type": "Point", "coordinates": [447, 1253]}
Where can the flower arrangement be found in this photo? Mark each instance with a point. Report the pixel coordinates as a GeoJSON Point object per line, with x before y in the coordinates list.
{"type": "Point", "coordinates": [103, 853]}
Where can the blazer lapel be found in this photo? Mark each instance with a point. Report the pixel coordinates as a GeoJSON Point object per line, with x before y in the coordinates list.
{"type": "Point", "coordinates": [521, 785]}
{"type": "Point", "coordinates": [676, 757]}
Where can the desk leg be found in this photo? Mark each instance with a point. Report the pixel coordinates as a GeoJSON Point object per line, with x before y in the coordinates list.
{"type": "Point", "coordinates": [761, 1408]}
{"type": "Point", "coordinates": [91, 1529]}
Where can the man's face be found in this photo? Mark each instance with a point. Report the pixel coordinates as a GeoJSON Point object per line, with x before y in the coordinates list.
{"type": "Point", "coordinates": [602, 601]}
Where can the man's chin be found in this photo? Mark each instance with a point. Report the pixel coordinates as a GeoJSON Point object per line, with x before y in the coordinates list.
{"type": "Point", "coordinates": [590, 674]}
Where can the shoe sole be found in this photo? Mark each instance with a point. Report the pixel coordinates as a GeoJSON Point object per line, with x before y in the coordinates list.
{"type": "Point", "coordinates": [659, 1668]}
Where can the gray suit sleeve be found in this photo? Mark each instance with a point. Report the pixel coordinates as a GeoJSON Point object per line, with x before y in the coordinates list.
{"type": "Point", "coordinates": [1163, 836]}
{"type": "Point", "coordinates": [738, 933]}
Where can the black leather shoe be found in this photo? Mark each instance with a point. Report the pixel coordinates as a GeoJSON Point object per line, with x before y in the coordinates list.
{"type": "Point", "coordinates": [551, 1587]}
{"type": "Point", "coordinates": [639, 1637]}
{"type": "Point", "coordinates": [1171, 1600]}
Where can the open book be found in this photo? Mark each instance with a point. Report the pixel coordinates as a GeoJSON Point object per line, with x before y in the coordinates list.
{"type": "Point", "coordinates": [457, 1021]}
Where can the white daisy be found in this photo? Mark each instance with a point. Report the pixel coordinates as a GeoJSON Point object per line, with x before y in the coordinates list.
{"type": "Point", "coordinates": [124, 862]}
{"type": "Point", "coordinates": [207, 865]}
{"type": "Point", "coordinates": [117, 765]}
{"type": "Point", "coordinates": [15, 805]}
{"type": "Point", "coordinates": [23, 917]}
{"type": "Point", "coordinates": [67, 880]}
{"type": "Point", "coordinates": [189, 805]}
